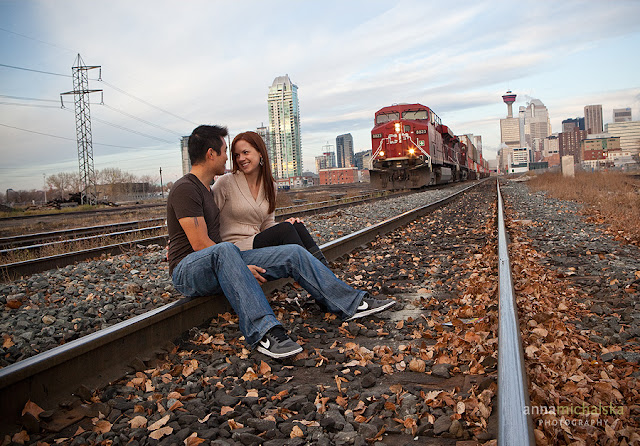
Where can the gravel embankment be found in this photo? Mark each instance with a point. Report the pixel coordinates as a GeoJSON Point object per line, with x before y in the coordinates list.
{"type": "Point", "coordinates": [579, 307]}
{"type": "Point", "coordinates": [420, 373]}
{"type": "Point", "coordinates": [50, 308]}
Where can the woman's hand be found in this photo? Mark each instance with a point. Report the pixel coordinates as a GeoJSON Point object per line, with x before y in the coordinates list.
{"type": "Point", "coordinates": [256, 271]}
{"type": "Point", "coordinates": [293, 220]}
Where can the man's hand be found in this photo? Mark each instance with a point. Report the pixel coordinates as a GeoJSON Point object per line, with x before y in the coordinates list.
{"type": "Point", "coordinates": [293, 220]}
{"type": "Point", "coordinates": [256, 271]}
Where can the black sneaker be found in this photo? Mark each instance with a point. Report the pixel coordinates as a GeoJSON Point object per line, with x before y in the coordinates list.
{"type": "Point", "coordinates": [369, 305]}
{"type": "Point", "coordinates": [277, 344]}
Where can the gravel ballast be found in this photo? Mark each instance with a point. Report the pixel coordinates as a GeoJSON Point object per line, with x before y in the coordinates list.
{"type": "Point", "coordinates": [47, 309]}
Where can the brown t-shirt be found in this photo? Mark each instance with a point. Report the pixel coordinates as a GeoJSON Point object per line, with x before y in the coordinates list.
{"type": "Point", "coordinates": [189, 198]}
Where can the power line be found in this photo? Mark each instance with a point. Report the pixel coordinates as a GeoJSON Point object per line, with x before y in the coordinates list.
{"type": "Point", "coordinates": [68, 139]}
{"type": "Point", "coordinates": [118, 126]}
{"type": "Point", "coordinates": [132, 131]}
{"type": "Point", "coordinates": [22, 98]}
{"type": "Point", "coordinates": [141, 120]}
{"type": "Point", "coordinates": [35, 71]}
{"type": "Point", "coordinates": [29, 105]}
{"type": "Point", "coordinates": [145, 102]}
{"type": "Point", "coordinates": [37, 40]}
{"type": "Point", "coordinates": [108, 84]}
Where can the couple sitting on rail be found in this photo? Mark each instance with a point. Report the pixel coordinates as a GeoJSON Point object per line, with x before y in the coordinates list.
{"type": "Point", "coordinates": [240, 210]}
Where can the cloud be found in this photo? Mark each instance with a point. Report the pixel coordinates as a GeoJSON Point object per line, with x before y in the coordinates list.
{"type": "Point", "coordinates": [212, 62]}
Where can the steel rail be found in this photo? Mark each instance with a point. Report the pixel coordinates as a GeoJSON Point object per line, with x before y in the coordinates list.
{"type": "Point", "coordinates": [35, 238]}
{"type": "Point", "coordinates": [81, 239]}
{"type": "Point", "coordinates": [101, 357]}
{"type": "Point", "coordinates": [515, 426]}
{"type": "Point", "coordinates": [15, 269]}
{"type": "Point", "coordinates": [10, 270]}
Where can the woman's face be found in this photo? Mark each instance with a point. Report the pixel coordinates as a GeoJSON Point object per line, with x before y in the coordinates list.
{"type": "Point", "coordinates": [247, 157]}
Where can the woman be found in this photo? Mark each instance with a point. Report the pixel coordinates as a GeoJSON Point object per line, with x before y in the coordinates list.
{"type": "Point", "coordinates": [247, 202]}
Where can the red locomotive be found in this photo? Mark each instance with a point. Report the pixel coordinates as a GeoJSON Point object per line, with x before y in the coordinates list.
{"type": "Point", "coordinates": [412, 148]}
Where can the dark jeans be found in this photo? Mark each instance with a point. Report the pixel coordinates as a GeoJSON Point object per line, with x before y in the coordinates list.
{"type": "Point", "coordinates": [286, 233]}
{"type": "Point", "coordinates": [223, 268]}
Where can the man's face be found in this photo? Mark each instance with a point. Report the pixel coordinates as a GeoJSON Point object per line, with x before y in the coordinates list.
{"type": "Point", "coordinates": [220, 161]}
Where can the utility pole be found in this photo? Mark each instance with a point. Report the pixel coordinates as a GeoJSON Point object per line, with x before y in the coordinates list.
{"type": "Point", "coordinates": [161, 186]}
{"type": "Point", "coordinates": [80, 93]}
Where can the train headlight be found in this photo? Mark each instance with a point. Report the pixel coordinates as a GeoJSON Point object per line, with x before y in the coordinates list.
{"type": "Point", "coordinates": [381, 153]}
{"type": "Point", "coordinates": [412, 151]}
{"type": "Point", "coordinates": [397, 125]}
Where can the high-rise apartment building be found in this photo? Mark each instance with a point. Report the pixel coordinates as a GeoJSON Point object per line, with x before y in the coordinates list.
{"type": "Point", "coordinates": [593, 118]}
{"type": "Point", "coordinates": [344, 150]}
{"type": "Point", "coordinates": [363, 159]}
{"type": "Point", "coordinates": [622, 115]}
{"type": "Point", "coordinates": [284, 128]}
{"type": "Point", "coordinates": [326, 161]}
{"type": "Point", "coordinates": [266, 137]}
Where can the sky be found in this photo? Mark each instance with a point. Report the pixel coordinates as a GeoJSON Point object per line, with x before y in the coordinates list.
{"type": "Point", "coordinates": [168, 66]}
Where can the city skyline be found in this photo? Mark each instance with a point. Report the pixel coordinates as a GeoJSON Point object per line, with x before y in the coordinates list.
{"type": "Point", "coordinates": [173, 66]}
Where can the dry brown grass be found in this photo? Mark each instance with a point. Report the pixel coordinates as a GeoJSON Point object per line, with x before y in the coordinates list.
{"type": "Point", "coordinates": [612, 198]}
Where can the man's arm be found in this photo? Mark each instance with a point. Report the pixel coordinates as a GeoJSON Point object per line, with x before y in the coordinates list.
{"type": "Point", "coordinates": [196, 230]}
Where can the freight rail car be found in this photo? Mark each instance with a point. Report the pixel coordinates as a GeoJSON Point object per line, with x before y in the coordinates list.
{"type": "Point", "coordinates": [411, 149]}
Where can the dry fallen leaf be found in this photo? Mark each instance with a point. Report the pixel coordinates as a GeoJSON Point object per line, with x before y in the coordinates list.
{"type": "Point", "coordinates": [176, 405]}
{"type": "Point", "coordinates": [159, 433]}
{"type": "Point", "coordinates": [33, 409]}
{"type": "Point", "coordinates": [417, 365]}
{"type": "Point", "coordinates": [205, 419]}
{"type": "Point", "coordinates": [8, 342]}
{"type": "Point", "coordinates": [102, 427]}
{"type": "Point", "coordinates": [137, 422]}
{"type": "Point", "coordinates": [193, 440]}
{"type": "Point", "coordinates": [225, 410]}
{"type": "Point", "coordinates": [158, 424]}
{"type": "Point", "coordinates": [21, 437]}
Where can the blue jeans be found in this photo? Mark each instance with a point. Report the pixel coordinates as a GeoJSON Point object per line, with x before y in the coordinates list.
{"type": "Point", "coordinates": [222, 268]}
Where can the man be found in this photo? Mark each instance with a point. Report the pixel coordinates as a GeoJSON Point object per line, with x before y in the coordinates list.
{"type": "Point", "coordinates": [200, 264]}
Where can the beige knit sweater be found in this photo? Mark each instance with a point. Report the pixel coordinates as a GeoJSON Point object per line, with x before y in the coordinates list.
{"type": "Point", "coordinates": [241, 217]}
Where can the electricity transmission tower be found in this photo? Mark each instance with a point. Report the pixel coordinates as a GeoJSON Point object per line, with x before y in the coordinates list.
{"type": "Point", "coordinates": [88, 193]}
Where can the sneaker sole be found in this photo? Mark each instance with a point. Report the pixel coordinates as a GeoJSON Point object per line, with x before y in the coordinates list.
{"type": "Point", "coordinates": [264, 351]}
{"type": "Point", "coordinates": [371, 311]}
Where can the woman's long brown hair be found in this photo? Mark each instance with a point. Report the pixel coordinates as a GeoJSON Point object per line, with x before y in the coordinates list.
{"type": "Point", "coordinates": [264, 174]}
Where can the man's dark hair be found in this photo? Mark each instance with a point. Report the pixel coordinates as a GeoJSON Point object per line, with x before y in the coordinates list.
{"type": "Point", "coordinates": [202, 138]}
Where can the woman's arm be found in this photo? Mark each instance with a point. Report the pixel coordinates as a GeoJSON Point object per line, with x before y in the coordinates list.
{"type": "Point", "coordinates": [219, 192]}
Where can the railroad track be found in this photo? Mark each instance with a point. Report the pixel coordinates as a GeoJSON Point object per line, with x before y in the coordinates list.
{"type": "Point", "coordinates": [136, 233]}
{"type": "Point", "coordinates": [90, 360]}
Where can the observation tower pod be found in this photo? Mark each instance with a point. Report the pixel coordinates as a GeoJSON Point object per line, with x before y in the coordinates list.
{"type": "Point", "coordinates": [509, 98]}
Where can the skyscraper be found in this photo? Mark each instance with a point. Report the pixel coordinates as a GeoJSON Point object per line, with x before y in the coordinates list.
{"type": "Point", "coordinates": [184, 150]}
{"type": "Point", "coordinates": [593, 118]}
{"type": "Point", "coordinates": [266, 137]}
{"type": "Point", "coordinates": [537, 127]}
{"type": "Point", "coordinates": [344, 150]}
{"type": "Point", "coordinates": [284, 128]}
